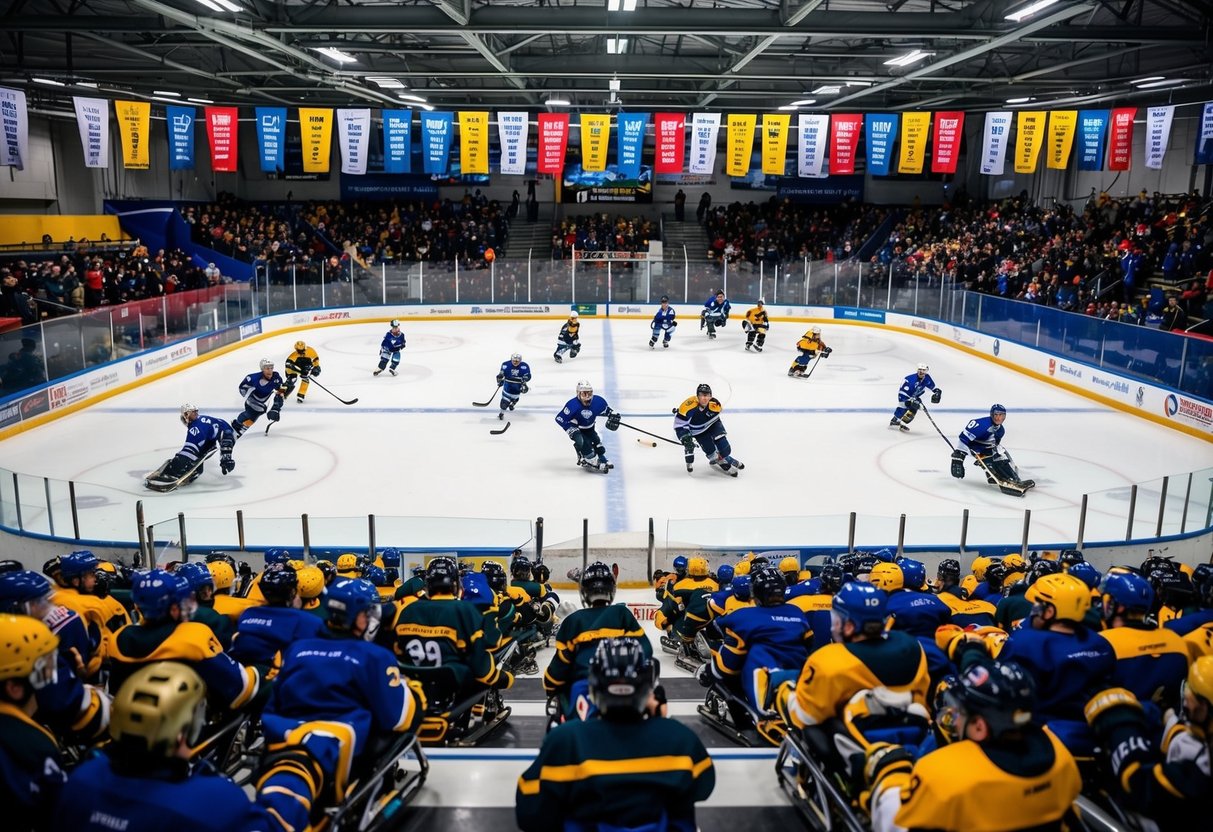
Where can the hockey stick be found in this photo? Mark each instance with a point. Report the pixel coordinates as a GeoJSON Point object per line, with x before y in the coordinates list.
{"type": "Point", "coordinates": [931, 419]}
{"type": "Point", "coordinates": [646, 433]}
{"type": "Point", "coordinates": [814, 367]}
{"type": "Point", "coordinates": [1003, 486]}
{"type": "Point", "coordinates": [490, 401]}
{"type": "Point", "coordinates": [334, 395]}
{"type": "Point", "coordinates": [503, 430]}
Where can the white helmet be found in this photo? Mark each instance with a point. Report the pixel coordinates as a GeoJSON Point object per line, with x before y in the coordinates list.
{"type": "Point", "coordinates": [187, 409]}
{"type": "Point", "coordinates": [762, 302]}
{"type": "Point", "coordinates": [395, 323]}
{"type": "Point", "coordinates": [816, 330]}
{"type": "Point", "coordinates": [573, 314]}
{"type": "Point", "coordinates": [266, 364]}
{"type": "Point", "coordinates": [922, 366]}
{"type": "Point", "coordinates": [516, 357]}
{"type": "Point", "coordinates": [584, 387]}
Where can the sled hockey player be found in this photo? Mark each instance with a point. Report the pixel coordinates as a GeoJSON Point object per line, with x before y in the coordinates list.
{"type": "Point", "coordinates": [810, 344]}
{"type": "Point", "coordinates": [258, 389]}
{"type": "Point", "coordinates": [684, 612]}
{"type": "Point", "coordinates": [568, 340]}
{"type": "Point", "coordinates": [264, 633]}
{"type": "Point", "coordinates": [756, 324]}
{"type": "Point", "coordinates": [715, 313]}
{"type": "Point", "coordinates": [202, 436]}
{"type": "Point", "coordinates": [697, 421]}
{"type": "Point", "coordinates": [983, 438]}
{"type": "Point", "coordinates": [512, 379]}
{"type": "Point", "coordinates": [389, 348]}
{"type": "Point", "coordinates": [577, 420]}
{"type": "Point", "coordinates": [909, 397]}
{"type": "Point", "coordinates": [301, 365]}
{"type": "Point", "coordinates": [663, 322]}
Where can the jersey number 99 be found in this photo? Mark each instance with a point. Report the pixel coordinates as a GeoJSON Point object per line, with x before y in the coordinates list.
{"type": "Point", "coordinates": [423, 653]}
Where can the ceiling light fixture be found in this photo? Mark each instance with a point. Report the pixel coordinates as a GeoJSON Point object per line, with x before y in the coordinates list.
{"type": "Point", "coordinates": [200, 100]}
{"type": "Point", "coordinates": [336, 55]}
{"type": "Point", "coordinates": [228, 6]}
{"type": "Point", "coordinates": [1148, 80]}
{"type": "Point", "coordinates": [908, 58]}
{"type": "Point", "coordinates": [558, 102]}
{"type": "Point", "coordinates": [1029, 10]}
{"type": "Point", "coordinates": [827, 89]}
{"type": "Point", "coordinates": [166, 92]}
{"type": "Point", "coordinates": [386, 82]}
{"type": "Point", "coordinates": [804, 102]}
{"type": "Point", "coordinates": [50, 82]}
{"type": "Point", "coordinates": [405, 96]}
{"type": "Point", "coordinates": [215, 7]}
{"type": "Point", "coordinates": [616, 46]}
{"type": "Point", "coordinates": [1023, 100]}
{"type": "Point", "coordinates": [92, 85]}
{"type": "Point", "coordinates": [1164, 82]}
{"type": "Point", "coordinates": [621, 5]}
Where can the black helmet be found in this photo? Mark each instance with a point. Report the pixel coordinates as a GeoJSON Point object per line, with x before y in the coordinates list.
{"type": "Point", "coordinates": [222, 556]}
{"type": "Point", "coordinates": [767, 586]}
{"type": "Point", "coordinates": [831, 578]}
{"type": "Point", "coordinates": [1001, 693]}
{"type": "Point", "coordinates": [759, 561]}
{"type": "Point", "coordinates": [703, 388]}
{"type": "Point", "coordinates": [948, 573]}
{"type": "Point", "coordinates": [1038, 569]}
{"type": "Point", "coordinates": [1172, 589]}
{"type": "Point", "coordinates": [1157, 563]}
{"type": "Point", "coordinates": [442, 577]}
{"type": "Point", "coordinates": [621, 678]}
{"type": "Point", "coordinates": [1202, 581]}
{"type": "Point", "coordinates": [1069, 557]}
{"type": "Point", "coordinates": [494, 573]}
{"type": "Point", "coordinates": [520, 569]}
{"type": "Point", "coordinates": [541, 573]}
{"type": "Point", "coordinates": [995, 573]}
{"type": "Point", "coordinates": [597, 584]}
{"type": "Point", "coordinates": [279, 583]}
{"type": "Point", "coordinates": [7, 566]}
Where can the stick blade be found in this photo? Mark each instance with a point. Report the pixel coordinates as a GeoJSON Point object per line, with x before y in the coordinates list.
{"type": "Point", "coordinates": [503, 430]}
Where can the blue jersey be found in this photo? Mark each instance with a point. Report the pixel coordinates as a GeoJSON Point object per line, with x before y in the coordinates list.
{"type": "Point", "coordinates": [264, 633]}
{"type": "Point", "coordinates": [762, 638]}
{"type": "Point", "coordinates": [664, 319]}
{"type": "Point", "coordinates": [717, 309]}
{"type": "Point", "coordinates": [1068, 669]}
{"type": "Point", "coordinates": [203, 434]}
{"type": "Point", "coordinates": [913, 387]}
{"type": "Point", "coordinates": [257, 389]}
{"type": "Point", "coordinates": [918, 613]}
{"type": "Point", "coordinates": [810, 587]}
{"type": "Point", "coordinates": [392, 343]}
{"type": "Point", "coordinates": [515, 377]}
{"type": "Point", "coordinates": [1186, 623]}
{"type": "Point", "coordinates": [582, 416]}
{"type": "Point", "coordinates": [982, 436]}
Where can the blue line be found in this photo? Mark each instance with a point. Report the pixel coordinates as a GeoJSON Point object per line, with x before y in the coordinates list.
{"type": "Point", "coordinates": [616, 494]}
{"type": "Point", "coordinates": [608, 384]}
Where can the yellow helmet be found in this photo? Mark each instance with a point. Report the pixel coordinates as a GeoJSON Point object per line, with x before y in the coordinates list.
{"type": "Point", "coordinates": [969, 583]}
{"type": "Point", "coordinates": [1200, 678]}
{"type": "Point", "coordinates": [106, 566]}
{"type": "Point", "coordinates": [300, 346]}
{"type": "Point", "coordinates": [1067, 594]}
{"type": "Point", "coordinates": [27, 647]}
{"type": "Point", "coordinates": [296, 564]}
{"type": "Point", "coordinates": [222, 574]}
{"type": "Point", "coordinates": [157, 704]}
{"type": "Point", "coordinates": [1014, 563]}
{"type": "Point", "coordinates": [742, 568]}
{"type": "Point", "coordinates": [697, 567]}
{"type": "Point", "coordinates": [980, 564]}
{"type": "Point", "coordinates": [347, 563]}
{"type": "Point", "coordinates": [311, 582]}
{"type": "Point", "coordinates": [788, 564]}
{"type": "Point", "coordinates": [887, 576]}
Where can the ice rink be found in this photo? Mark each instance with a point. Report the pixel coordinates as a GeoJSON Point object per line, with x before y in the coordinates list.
{"type": "Point", "coordinates": [414, 446]}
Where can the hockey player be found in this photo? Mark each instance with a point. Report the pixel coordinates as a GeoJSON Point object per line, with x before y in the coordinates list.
{"type": "Point", "coordinates": [816, 606]}
{"type": "Point", "coordinates": [203, 435]}
{"type": "Point", "coordinates": [512, 379]}
{"type": "Point", "coordinates": [258, 389]}
{"type": "Point", "coordinates": [203, 585]}
{"type": "Point", "coordinates": [1151, 661]}
{"type": "Point", "coordinates": [77, 582]}
{"type": "Point", "coordinates": [983, 438]}
{"type": "Point", "coordinates": [568, 340]}
{"type": "Point", "coordinates": [663, 322]}
{"type": "Point", "coordinates": [627, 769]}
{"type": "Point", "coordinates": [756, 324]}
{"type": "Point", "coordinates": [909, 397]}
{"type": "Point", "coordinates": [577, 420]}
{"type": "Point", "coordinates": [810, 344]}
{"type": "Point", "coordinates": [301, 365]}
{"type": "Point", "coordinates": [697, 420]}
{"type": "Point", "coordinates": [684, 612]}
{"type": "Point", "coordinates": [264, 633]}
{"type": "Point", "coordinates": [715, 313]}
{"type": "Point", "coordinates": [389, 348]}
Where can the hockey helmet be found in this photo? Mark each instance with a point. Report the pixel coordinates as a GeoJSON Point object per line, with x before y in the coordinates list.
{"type": "Point", "coordinates": [1200, 679]}
{"type": "Point", "coordinates": [266, 364]}
{"type": "Point", "coordinates": [310, 581]}
{"type": "Point", "coordinates": [279, 584]}
{"type": "Point", "coordinates": [862, 604]}
{"type": "Point", "coordinates": [376, 575]}
{"type": "Point", "coordinates": [520, 569]}
{"type": "Point", "coordinates": [831, 578]}
{"type": "Point", "coordinates": [665, 298]}
{"type": "Point", "coordinates": [347, 565]}
{"type": "Point", "coordinates": [1127, 594]}
{"type": "Point", "coordinates": [541, 573]}
{"type": "Point", "coordinates": [948, 573]}
{"type": "Point", "coordinates": [27, 651]}
{"type": "Point", "coordinates": [761, 302]}
{"type": "Point", "coordinates": [996, 573]}
{"type": "Point", "coordinates": [573, 314]}
{"type": "Point", "coordinates": [584, 386]}
{"type": "Point", "coordinates": [300, 346]}
{"type": "Point", "coordinates": [156, 707]}
{"type": "Point", "coordinates": [815, 330]}
{"type": "Point", "coordinates": [597, 584]}
{"type": "Point", "coordinates": [995, 409]}
{"type": "Point", "coordinates": [725, 573]}
{"type": "Point", "coordinates": [1085, 572]}
{"type": "Point", "coordinates": [680, 566]}
{"type": "Point", "coordinates": [1014, 562]}
{"type": "Point", "coordinates": [276, 556]}
{"type": "Point", "coordinates": [621, 677]}
{"type": "Point", "coordinates": [1001, 693]}
{"type": "Point", "coordinates": [885, 555]}
{"type": "Point", "coordinates": [77, 564]}
{"type": "Point", "coordinates": [743, 587]}
{"type": "Point", "coordinates": [703, 390]}
{"type": "Point", "coordinates": [21, 591]}
{"type": "Point", "coordinates": [395, 323]}
{"type": "Point", "coordinates": [50, 568]}
{"type": "Point", "coordinates": [1045, 567]}
{"type": "Point", "coordinates": [1202, 582]}
{"type": "Point", "coordinates": [442, 577]}
{"type": "Point", "coordinates": [980, 564]}
{"type": "Point", "coordinates": [1069, 557]}
{"type": "Point", "coordinates": [759, 560]}
{"type": "Point", "coordinates": [9, 565]}
{"type": "Point", "coordinates": [476, 589]}
{"type": "Point", "coordinates": [1068, 596]}
{"type": "Point", "coordinates": [923, 367]}
{"type": "Point", "coordinates": [768, 586]}
{"type": "Point", "coordinates": [790, 564]}
{"type": "Point", "coordinates": [887, 576]}
{"type": "Point", "coordinates": [156, 592]}
{"type": "Point", "coordinates": [516, 358]}
{"type": "Point", "coordinates": [348, 597]}
{"type": "Point", "coordinates": [198, 575]}
{"type": "Point", "coordinates": [742, 568]}
{"type": "Point", "coordinates": [697, 568]}
{"type": "Point", "coordinates": [186, 410]}
{"type": "Point", "coordinates": [494, 573]}
{"type": "Point", "coordinates": [391, 557]}
{"type": "Point", "coordinates": [914, 573]}
{"type": "Point", "coordinates": [222, 574]}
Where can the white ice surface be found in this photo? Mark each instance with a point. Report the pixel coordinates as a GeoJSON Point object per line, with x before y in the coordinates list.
{"type": "Point", "coordinates": [413, 446]}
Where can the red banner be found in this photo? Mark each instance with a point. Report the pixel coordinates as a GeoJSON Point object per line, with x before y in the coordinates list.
{"type": "Point", "coordinates": [671, 133]}
{"type": "Point", "coordinates": [221, 125]}
{"type": "Point", "coordinates": [844, 138]}
{"type": "Point", "coordinates": [553, 139]}
{"type": "Point", "coordinates": [949, 126]}
{"type": "Point", "coordinates": [1120, 138]}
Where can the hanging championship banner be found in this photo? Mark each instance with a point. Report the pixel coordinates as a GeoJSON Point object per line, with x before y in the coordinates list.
{"type": "Point", "coordinates": [14, 128]}
{"type": "Point", "coordinates": [271, 137]}
{"type": "Point", "coordinates": [949, 127]}
{"type": "Point", "coordinates": [811, 150]}
{"type": "Point", "coordinates": [353, 137]}
{"type": "Point", "coordinates": [222, 133]}
{"type": "Point", "coordinates": [1029, 137]}
{"type": "Point", "coordinates": [704, 128]}
{"type": "Point", "coordinates": [512, 131]}
{"type": "Point", "coordinates": [994, 143]}
{"type": "Point", "coordinates": [1092, 127]}
{"type": "Point", "coordinates": [880, 131]}
{"type": "Point", "coordinates": [844, 139]}
{"type": "Point", "coordinates": [553, 140]}
{"type": "Point", "coordinates": [134, 127]}
{"type": "Point", "coordinates": [316, 128]}
{"type": "Point", "coordinates": [1158, 133]}
{"type": "Point", "coordinates": [775, 143]}
{"type": "Point", "coordinates": [740, 141]}
{"type": "Point", "coordinates": [1120, 138]}
{"type": "Point", "coordinates": [473, 142]}
{"type": "Point", "coordinates": [397, 141]}
{"type": "Point", "coordinates": [629, 143]}
{"type": "Point", "coordinates": [670, 135]}
{"type": "Point", "coordinates": [595, 136]}
{"type": "Point", "coordinates": [436, 129]}
{"type": "Point", "coordinates": [93, 119]}
{"type": "Point", "coordinates": [180, 122]}
{"type": "Point", "coordinates": [1063, 124]}
{"type": "Point", "coordinates": [1204, 137]}
{"type": "Point", "coordinates": [915, 128]}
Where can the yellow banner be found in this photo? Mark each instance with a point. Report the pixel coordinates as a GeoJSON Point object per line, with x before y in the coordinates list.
{"type": "Point", "coordinates": [595, 138]}
{"type": "Point", "coordinates": [915, 130]}
{"type": "Point", "coordinates": [740, 143]}
{"type": "Point", "coordinates": [1029, 135]}
{"type": "Point", "coordinates": [775, 142]}
{"type": "Point", "coordinates": [316, 126]}
{"type": "Point", "coordinates": [1062, 126]}
{"type": "Point", "coordinates": [474, 142]}
{"type": "Point", "coordinates": [134, 126]}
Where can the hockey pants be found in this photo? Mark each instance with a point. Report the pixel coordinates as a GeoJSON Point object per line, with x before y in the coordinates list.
{"type": "Point", "coordinates": [303, 380]}
{"type": "Point", "coordinates": [716, 444]}
{"type": "Point", "coordinates": [907, 406]}
{"type": "Point", "coordinates": [657, 330]}
{"type": "Point", "coordinates": [803, 359]}
{"type": "Point", "coordinates": [757, 335]}
{"type": "Point", "coordinates": [713, 322]}
{"type": "Point", "coordinates": [509, 395]}
{"type": "Point", "coordinates": [588, 444]}
{"type": "Point", "coordinates": [384, 355]}
{"type": "Point", "coordinates": [572, 347]}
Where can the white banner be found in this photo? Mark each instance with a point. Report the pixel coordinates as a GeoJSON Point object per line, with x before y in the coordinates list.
{"type": "Point", "coordinates": [93, 119]}
{"type": "Point", "coordinates": [814, 130]}
{"type": "Point", "coordinates": [353, 134]}
{"type": "Point", "coordinates": [1158, 132]}
{"type": "Point", "coordinates": [1206, 123]}
{"type": "Point", "coordinates": [14, 128]}
{"type": "Point", "coordinates": [704, 127]}
{"type": "Point", "coordinates": [512, 129]}
{"type": "Point", "coordinates": [994, 143]}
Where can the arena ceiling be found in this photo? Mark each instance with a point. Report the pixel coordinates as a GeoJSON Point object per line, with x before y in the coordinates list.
{"type": "Point", "coordinates": [752, 55]}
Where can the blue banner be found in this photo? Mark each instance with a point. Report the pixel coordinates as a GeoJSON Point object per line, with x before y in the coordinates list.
{"type": "Point", "coordinates": [180, 137]}
{"type": "Point", "coordinates": [1092, 130]}
{"type": "Point", "coordinates": [397, 141]}
{"type": "Point", "coordinates": [881, 131]}
{"type": "Point", "coordinates": [436, 130]}
{"type": "Point", "coordinates": [271, 137]}
{"type": "Point", "coordinates": [629, 143]}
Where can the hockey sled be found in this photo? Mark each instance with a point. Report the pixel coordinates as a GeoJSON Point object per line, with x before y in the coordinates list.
{"type": "Point", "coordinates": [814, 792]}
{"type": "Point", "coordinates": [1001, 471]}
{"type": "Point", "coordinates": [157, 481]}
{"type": "Point", "coordinates": [449, 722]}
{"type": "Point", "coordinates": [734, 717]}
{"type": "Point", "coordinates": [374, 799]}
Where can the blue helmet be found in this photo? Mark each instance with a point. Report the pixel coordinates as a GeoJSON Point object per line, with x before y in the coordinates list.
{"type": "Point", "coordinates": [197, 574]}
{"type": "Point", "coordinates": [914, 572]}
{"type": "Point", "coordinates": [477, 590]}
{"type": "Point", "coordinates": [155, 592]}
{"type": "Point", "coordinates": [276, 555]}
{"type": "Point", "coordinates": [861, 603]}
{"type": "Point", "coordinates": [1129, 593]}
{"type": "Point", "coordinates": [742, 588]}
{"type": "Point", "coordinates": [680, 564]}
{"type": "Point", "coordinates": [391, 557]}
{"type": "Point", "coordinates": [1085, 572]}
{"type": "Point", "coordinates": [346, 598]}
{"type": "Point", "coordinates": [20, 588]}
{"type": "Point", "coordinates": [885, 555]}
{"type": "Point", "coordinates": [376, 575]}
{"type": "Point", "coordinates": [77, 563]}
{"type": "Point", "coordinates": [724, 573]}
{"type": "Point", "coordinates": [997, 408]}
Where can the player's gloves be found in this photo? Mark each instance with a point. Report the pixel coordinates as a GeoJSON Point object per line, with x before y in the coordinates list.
{"type": "Point", "coordinates": [746, 326]}
{"type": "Point", "coordinates": [613, 420]}
{"type": "Point", "coordinates": [671, 324]}
{"type": "Point", "coordinates": [958, 464]}
{"type": "Point", "coordinates": [524, 388]}
{"type": "Point", "coordinates": [315, 371]}
{"type": "Point", "coordinates": [274, 414]}
{"type": "Point", "coordinates": [1116, 718]}
{"type": "Point", "coordinates": [500, 379]}
{"type": "Point", "coordinates": [825, 353]}
{"type": "Point", "coordinates": [883, 759]}
{"type": "Point", "coordinates": [227, 464]}
{"type": "Point", "coordinates": [936, 396]}
{"type": "Point", "coordinates": [914, 403]}
{"type": "Point", "coordinates": [660, 696]}
{"type": "Point", "coordinates": [688, 442]}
